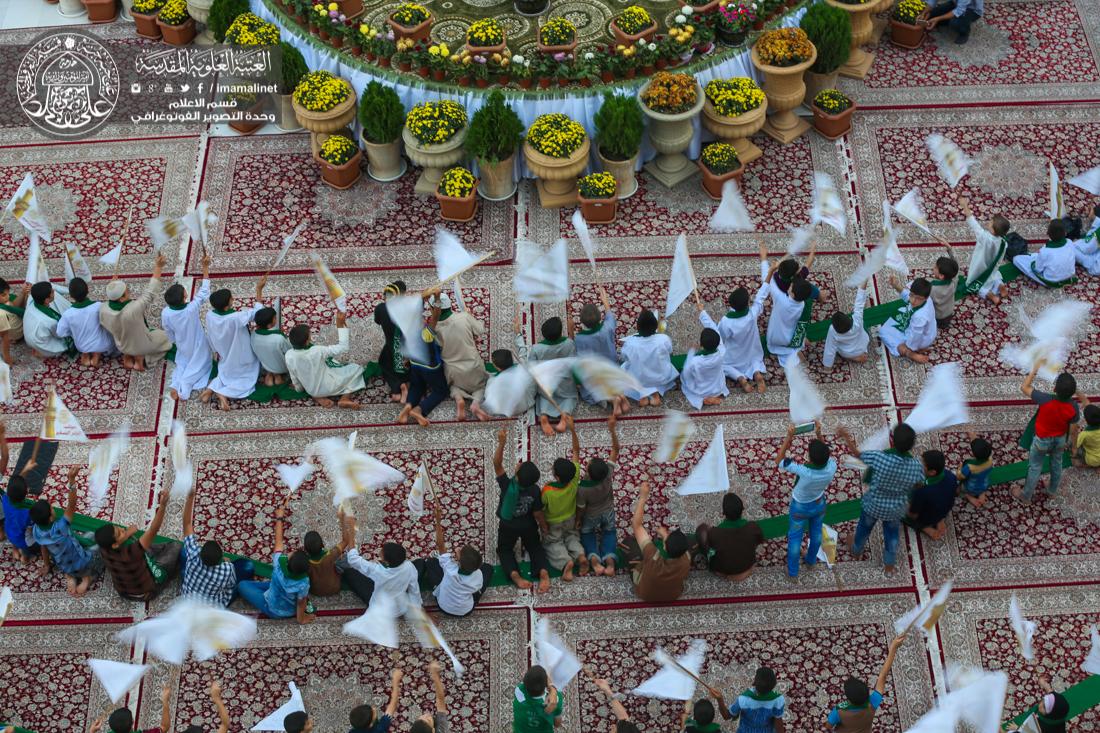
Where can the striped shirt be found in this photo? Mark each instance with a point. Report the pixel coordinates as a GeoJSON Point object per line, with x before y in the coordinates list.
{"type": "Point", "coordinates": [214, 585]}
{"type": "Point", "coordinates": [758, 713]}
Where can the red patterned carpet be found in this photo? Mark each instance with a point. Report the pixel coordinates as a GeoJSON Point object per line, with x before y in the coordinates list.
{"type": "Point", "coordinates": [1022, 93]}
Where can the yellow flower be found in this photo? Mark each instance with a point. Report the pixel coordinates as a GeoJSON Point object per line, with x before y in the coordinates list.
{"type": "Point", "coordinates": [333, 6]}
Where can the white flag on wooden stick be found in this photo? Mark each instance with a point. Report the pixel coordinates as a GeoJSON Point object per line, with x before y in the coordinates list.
{"type": "Point", "coordinates": [681, 283]}
{"type": "Point", "coordinates": [827, 206]}
{"type": "Point", "coordinates": [58, 422]}
{"type": "Point", "coordinates": [676, 430]}
{"type": "Point", "coordinates": [24, 208]}
{"type": "Point", "coordinates": [585, 237]}
{"type": "Point", "coordinates": [731, 215]}
{"type": "Point", "coordinates": [952, 162]}
{"type": "Point", "coordinates": [541, 277]}
{"type": "Point", "coordinates": [711, 473]}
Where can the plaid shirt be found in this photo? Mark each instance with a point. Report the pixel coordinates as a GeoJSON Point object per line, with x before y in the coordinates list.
{"type": "Point", "coordinates": [213, 584]}
{"type": "Point", "coordinates": [893, 476]}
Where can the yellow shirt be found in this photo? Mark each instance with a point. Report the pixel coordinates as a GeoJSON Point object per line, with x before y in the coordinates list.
{"type": "Point", "coordinates": [1089, 443]}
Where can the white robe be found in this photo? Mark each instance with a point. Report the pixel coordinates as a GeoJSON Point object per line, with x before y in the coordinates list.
{"type": "Point", "coordinates": [310, 372]}
{"type": "Point", "coordinates": [83, 327]}
{"type": "Point", "coordinates": [920, 334]}
{"type": "Point", "coordinates": [704, 375]}
{"type": "Point", "coordinates": [1086, 251]}
{"type": "Point", "coordinates": [647, 359]}
{"type": "Point", "coordinates": [193, 355]}
{"type": "Point", "coordinates": [851, 344]}
{"type": "Point", "coordinates": [238, 367]}
{"type": "Point", "coordinates": [986, 246]}
{"type": "Point", "coordinates": [40, 331]}
{"type": "Point", "coordinates": [782, 323]}
{"type": "Point", "coordinates": [1053, 264]}
{"type": "Point", "coordinates": [741, 339]}
{"type": "Point", "coordinates": [270, 349]}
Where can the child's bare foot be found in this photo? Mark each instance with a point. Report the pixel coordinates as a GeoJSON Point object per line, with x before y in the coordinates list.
{"type": "Point", "coordinates": [582, 561]}
{"type": "Point", "coordinates": [567, 572]}
{"type": "Point", "coordinates": [82, 587]}
{"type": "Point", "coordinates": [139, 363]}
{"type": "Point", "coordinates": [94, 360]}
{"type": "Point", "coordinates": [324, 401]}
{"type": "Point", "coordinates": [460, 409]}
{"type": "Point", "coordinates": [544, 582]}
{"type": "Point", "coordinates": [479, 413]}
{"type": "Point", "coordinates": [267, 380]}
{"type": "Point", "coordinates": [562, 425]}
{"type": "Point", "coordinates": [85, 360]}
{"type": "Point", "coordinates": [127, 362]}
{"type": "Point", "coordinates": [712, 400]}
{"type": "Point", "coordinates": [609, 567]}
{"type": "Point", "coordinates": [918, 357]}
{"type": "Point", "coordinates": [174, 394]}
{"type": "Point", "coordinates": [760, 386]}
{"type": "Point", "coordinates": [70, 587]}
{"type": "Point", "coordinates": [396, 397]}
{"type": "Point", "coordinates": [223, 404]}
{"type": "Point", "coordinates": [616, 410]}
{"type": "Point", "coordinates": [655, 400]}
{"type": "Point", "coordinates": [348, 403]}
{"type": "Point", "coordinates": [597, 567]}
{"type": "Point", "coordinates": [744, 384]}
{"type": "Point", "coordinates": [403, 416]}
{"type": "Point", "coordinates": [420, 419]}
{"type": "Point", "coordinates": [278, 378]}
{"type": "Point", "coordinates": [544, 423]}
{"type": "Point", "coordinates": [889, 569]}
{"type": "Point", "coordinates": [850, 543]}
{"type": "Point", "coordinates": [994, 298]}
{"type": "Point", "coordinates": [859, 359]}
{"type": "Point", "coordinates": [205, 396]}
{"type": "Point", "coordinates": [644, 402]}
{"type": "Point", "coordinates": [404, 391]}
{"type": "Point", "coordinates": [519, 581]}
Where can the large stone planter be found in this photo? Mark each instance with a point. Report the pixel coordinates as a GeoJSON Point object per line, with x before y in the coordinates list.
{"type": "Point", "coordinates": [127, 5]}
{"type": "Point", "coordinates": [671, 135]}
{"type": "Point", "coordinates": [816, 83]}
{"type": "Point", "coordinates": [285, 117]}
{"type": "Point", "coordinates": [737, 130]}
{"type": "Point", "coordinates": [335, 119]}
{"type": "Point", "coordinates": [384, 161]}
{"type": "Point", "coordinates": [434, 159]}
{"type": "Point", "coordinates": [626, 184]}
{"type": "Point", "coordinates": [71, 8]}
{"type": "Point", "coordinates": [859, 61]}
{"type": "Point", "coordinates": [200, 11]}
{"type": "Point", "coordinates": [497, 179]}
{"type": "Point", "coordinates": [101, 11]}
{"type": "Point", "coordinates": [785, 91]}
{"type": "Point", "coordinates": [557, 177]}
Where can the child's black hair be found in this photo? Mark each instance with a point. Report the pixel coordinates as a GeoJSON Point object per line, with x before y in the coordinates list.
{"type": "Point", "coordinates": [4, 286]}
{"type": "Point", "coordinates": [703, 712]}
{"type": "Point", "coordinates": [1056, 230]}
{"type": "Point", "coordinates": [40, 292]}
{"type": "Point", "coordinates": [787, 269]}
{"type": "Point", "coordinates": [732, 506]}
{"type": "Point", "coordinates": [299, 336]}
{"type": "Point", "coordinates": [534, 681]}
{"type": "Point", "coordinates": [591, 315]}
{"type": "Point", "coordinates": [173, 296]}
{"type": "Point", "coordinates": [739, 299]}
{"type": "Point", "coordinates": [469, 559]}
{"type": "Point", "coordinates": [921, 287]}
{"type": "Point", "coordinates": [17, 489]}
{"type": "Point", "coordinates": [121, 721]}
{"type": "Point", "coordinates": [564, 470]}
{"type": "Point", "coordinates": [361, 716]}
{"type": "Point", "coordinates": [551, 329]}
{"type": "Point", "coordinates": [676, 544]}
{"type": "Point", "coordinates": [298, 562]}
{"type": "Point", "coordinates": [1065, 386]}
{"type": "Point", "coordinates": [393, 554]}
{"type": "Point", "coordinates": [527, 474]}
{"type": "Point", "coordinates": [982, 449]}
{"type": "Point", "coordinates": [502, 359]}
{"type": "Point", "coordinates": [313, 543]}
{"type": "Point", "coordinates": [265, 317]}
{"type": "Point", "coordinates": [709, 339]}
{"type": "Point", "coordinates": [41, 513]}
{"type": "Point", "coordinates": [220, 299]}
{"type": "Point", "coordinates": [764, 680]}
{"type": "Point", "coordinates": [842, 322]}
{"type": "Point", "coordinates": [1092, 417]}
{"type": "Point", "coordinates": [105, 536]}
{"type": "Point", "coordinates": [934, 461]}
{"type": "Point", "coordinates": [801, 289]}
{"type": "Point", "coordinates": [78, 289]}
{"type": "Point", "coordinates": [856, 691]}
{"type": "Point", "coordinates": [295, 722]}
{"type": "Point", "coordinates": [598, 469]}
{"type": "Point", "coordinates": [819, 452]}
{"type": "Point", "coordinates": [904, 438]}
{"type": "Point", "coordinates": [211, 554]}
{"type": "Point", "coordinates": [647, 323]}
{"type": "Point", "coordinates": [947, 267]}
{"type": "Point", "coordinates": [1001, 225]}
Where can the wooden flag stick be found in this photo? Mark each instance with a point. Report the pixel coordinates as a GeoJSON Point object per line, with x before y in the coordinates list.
{"type": "Point", "coordinates": [122, 239]}
{"type": "Point", "coordinates": [472, 265]}
{"type": "Point", "coordinates": [690, 674]}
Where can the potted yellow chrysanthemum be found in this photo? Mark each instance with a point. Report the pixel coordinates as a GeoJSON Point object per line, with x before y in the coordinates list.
{"type": "Point", "coordinates": [338, 157]}
{"type": "Point", "coordinates": [597, 195]}
{"type": "Point", "coordinates": [734, 110]}
{"type": "Point", "coordinates": [556, 150]}
{"type": "Point", "coordinates": [782, 56]}
{"type": "Point", "coordinates": [457, 195]}
{"type": "Point", "coordinates": [433, 135]}
{"type": "Point", "coordinates": [323, 102]}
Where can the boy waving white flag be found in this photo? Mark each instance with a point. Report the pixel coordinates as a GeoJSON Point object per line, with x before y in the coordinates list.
{"type": "Point", "coordinates": [274, 722]}
{"type": "Point", "coordinates": [199, 221]}
{"type": "Point", "coordinates": [181, 463]}
{"type": "Point", "coordinates": [585, 237]}
{"type": "Point", "coordinates": [711, 474]}
{"type": "Point", "coordinates": [827, 207]}
{"type": "Point", "coordinates": [23, 207]}
{"type": "Point", "coordinates": [925, 616]}
{"type": "Point", "coordinates": [806, 404]}
{"type": "Point", "coordinates": [942, 401]}
{"type": "Point", "coordinates": [682, 282]}
{"type": "Point", "coordinates": [352, 472]}
{"type": "Point", "coordinates": [911, 208]}
{"type": "Point", "coordinates": [1089, 181]}
{"type": "Point", "coordinates": [102, 460]}
{"type": "Point", "coordinates": [1022, 628]}
{"type": "Point", "coordinates": [677, 678]}
{"type": "Point", "coordinates": [117, 678]}
{"type": "Point", "coordinates": [541, 277]}
{"type": "Point", "coordinates": [429, 637]}
{"type": "Point", "coordinates": [58, 423]}
{"type": "Point", "coordinates": [75, 266]}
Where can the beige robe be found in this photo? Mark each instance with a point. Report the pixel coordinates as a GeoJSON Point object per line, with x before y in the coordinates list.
{"type": "Point", "coordinates": [462, 363]}
{"type": "Point", "coordinates": [131, 334]}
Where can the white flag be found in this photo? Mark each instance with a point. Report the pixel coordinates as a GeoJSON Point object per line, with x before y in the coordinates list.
{"type": "Point", "coordinates": [876, 260]}
{"type": "Point", "coordinates": [942, 401]}
{"type": "Point", "coordinates": [800, 240]}
{"type": "Point", "coordinates": [894, 259]}
{"type": "Point", "coordinates": [1092, 661]}
{"type": "Point", "coordinates": [112, 257]}
{"type": "Point", "coordinates": [429, 637]}
{"type": "Point", "coordinates": [1057, 207]}
{"type": "Point", "coordinates": [826, 553]}
{"type": "Point", "coordinates": [332, 287]}
{"type": "Point", "coordinates": [37, 272]}
{"type": "Point", "coordinates": [191, 625]}
{"type": "Point", "coordinates": [288, 242]}
{"type": "Point", "coordinates": [117, 678]}
{"type": "Point", "coordinates": [58, 423]}
{"type": "Point", "coordinates": [950, 159]}
{"type": "Point", "coordinates": [671, 683]}
{"type": "Point", "coordinates": [185, 471]}
{"type": "Point", "coordinates": [548, 374]}
{"type": "Point", "coordinates": [23, 207]}
{"type": "Point", "coordinates": [711, 474]}
{"type": "Point", "coordinates": [102, 459]}
{"type": "Point", "coordinates": [676, 430]}
{"type": "Point", "coordinates": [581, 227]}
{"type": "Point", "coordinates": [911, 208]}
{"type": "Point", "coordinates": [731, 215]}
{"type": "Point", "coordinates": [827, 207]}
{"type": "Point", "coordinates": [7, 388]}
{"type": "Point", "coordinates": [274, 722]}
{"type": "Point", "coordinates": [603, 378]}
{"type": "Point", "coordinates": [75, 265]}
{"type": "Point", "coordinates": [295, 476]}
{"type": "Point", "coordinates": [163, 230]}
{"type": "Point", "coordinates": [976, 697]}
{"type": "Point", "coordinates": [407, 313]}
{"type": "Point", "coordinates": [451, 258]}
{"type": "Point", "coordinates": [541, 277]}
{"type": "Point", "coordinates": [806, 404]}
{"type": "Point", "coordinates": [199, 221]}
{"type": "Point", "coordinates": [421, 486]}
{"type": "Point", "coordinates": [925, 616]}
{"type": "Point", "coordinates": [510, 392]}
{"type": "Point", "coordinates": [354, 473]}
{"type": "Point", "coordinates": [5, 603]}
{"type": "Point", "coordinates": [681, 284]}
{"type": "Point", "coordinates": [379, 624]}
{"type": "Point", "coordinates": [553, 655]}
{"type": "Point", "coordinates": [1053, 335]}
{"type": "Point", "coordinates": [1089, 181]}
{"type": "Point", "coordinates": [1022, 628]}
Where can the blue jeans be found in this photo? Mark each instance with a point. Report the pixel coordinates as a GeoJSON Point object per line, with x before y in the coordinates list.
{"type": "Point", "coordinates": [252, 591]}
{"type": "Point", "coordinates": [804, 517]}
{"type": "Point", "coordinates": [891, 529]}
{"type": "Point", "coordinates": [1040, 449]}
{"type": "Point", "coordinates": [604, 524]}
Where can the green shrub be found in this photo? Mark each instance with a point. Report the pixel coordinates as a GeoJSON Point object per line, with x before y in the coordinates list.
{"type": "Point", "coordinates": [294, 67]}
{"type": "Point", "coordinates": [222, 15]}
{"type": "Point", "coordinates": [381, 114]}
{"type": "Point", "coordinates": [619, 127]}
{"type": "Point", "coordinates": [830, 30]}
{"type": "Point", "coordinates": [495, 131]}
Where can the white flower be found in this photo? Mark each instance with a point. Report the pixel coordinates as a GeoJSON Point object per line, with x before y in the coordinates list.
{"type": "Point", "coordinates": [589, 56]}
{"type": "Point", "coordinates": [641, 42]}
{"type": "Point", "coordinates": [679, 20]}
{"type": "Point", "coordinates": [653, 47]}
{"type": "Point", "coordinates": [687, 10]}
{"type": "Point", "coordinates": [518, 59]}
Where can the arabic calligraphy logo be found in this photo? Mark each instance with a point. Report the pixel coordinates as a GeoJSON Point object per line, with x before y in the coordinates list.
{"type": "Point", "coordinates": [67, 84]}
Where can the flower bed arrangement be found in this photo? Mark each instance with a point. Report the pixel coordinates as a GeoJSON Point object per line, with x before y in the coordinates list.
{"type": "Point", "coordinates": [634, 20]}
{"type": "Point", "coordinates": [251, 30]}
{"type": "Point", "coordinates": [784, 47]}
{"type": "Point", "coordinates": [670, 93]}
{"type": "Point", "coordinates": [556, 135]}
{"type": "Point", "coordinates": [410, 15]}
{"type": "Point", "coordinates": [485, 33]}
{"type": "Point", "coordinates": [734, 97]}
{"type": "Point", "coordinates": [434, 123]}
{"type": "Point", "coordinates": [600, 185]}
{"type": "Point", "coordinates": [557, 32]}
{"type": "Point", "coordinates": [320, 91]}
{"type": "Point", "coordinates": [337, 150]}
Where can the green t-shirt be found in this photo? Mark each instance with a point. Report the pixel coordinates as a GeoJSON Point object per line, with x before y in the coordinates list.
{"type": "Point", "coordinates": [529, 713]}
{"type": "Point", "coordinates": [560, 502]}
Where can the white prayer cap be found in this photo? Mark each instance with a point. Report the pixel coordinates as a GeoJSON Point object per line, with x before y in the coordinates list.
{"type": "Point", "coordinates": [115, 289]}
{"type": "Point", "coordinates": [444, 301]}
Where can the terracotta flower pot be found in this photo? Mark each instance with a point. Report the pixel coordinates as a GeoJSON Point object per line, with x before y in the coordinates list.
{"type": "Point", "coordinates": [146, 25]}
{"type": "Point", "coordinates": [737, 130]}
{"type": "Point", "coordinates": [544, 82]}
{"type": "Point", "coordinates": [488, 50]}
{"type": "Point", "coordinates": [384, 61]}
{"type": "Point", "coordinates": [249, 124]}
{"type": "Point", "coordinates": [419, 32]}
{"type": "Point", "coordinates": [101, 11]}
{"type": "Point", "coordinates": [334, 119]}
{"type": "Point", "coordinates": [458, 209]}
{"type": "Point", "coordinates": [340, 176]}
{"type": "Point", "coordinates": [525, 83]}
{"type": "Point", "coordinates": [817, 82]}
{"type": "Point", "coordinates": [607, 76]}
{"type": "Point", "coordinates": [557, 177]}
{"type": "Point", "coordinates": [712, 182]}
{"type": "Point", "coordinates": [785, 90]}
{"type": "Point", "coordinates": [177, 35]}
{"type": "Point", "coordinates": [671, 134]}
{"type": "Point", "coordinates": [434, 159]}
{"type": "Point", "coordinates": [350, 8]}
{"type": "Point", "coordinates": [564, 48]}
{"type": "Point", "coordinates": [384, 161]}
{"type": "Point", "coordinates": [626, 184]}
{"type": "Point", "coordinates": [337, 41]}
{"type": "Point", "coordinates": [628, 39]}
{"type": "Point", "coordinates": [599, 211]}
{"type": "Point", "coordinates": [859, 61]}
{"type": "Point", "coordinates": [497, 179]}
{"type": "Point", "coordinates": [833, 126]}
{"type": "Point", "coordinates": [439, 74]}
{"type": "Point", "coordinates": [906, 35]}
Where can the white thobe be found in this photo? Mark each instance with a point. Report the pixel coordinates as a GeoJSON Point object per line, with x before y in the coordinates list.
{"type": "Point", "coordinates": [1086, 251]}
{"type": "Point", "coordinates": [782, 323]}
{"type": "Point", "coordinates": [741, 339]}
{"type": "Point", "coordinates": [1053, 264]}
{"type": "Point", "coordinates": [193, 355]}
{"type": "Point", "coordinates": [238, 367]}
{"type": "Point", "coordinates": [647, 359]}
{"type": "Point", "coordinates": [81, 324]}
{"type": "Point", "coordinates": [400, 583]}
{"type": "Point", "coordinates": [270, 348]}
{"type": "Point", "coordinates": [986, 246]}
{"type": "Point", "coordinates": [920, 334]}
{"type": "Point", "coordinates": [310, 372]}
{"type": "Point", "coordinates": [704, 374]}
{"type": "Point", "coordinates": [851, 344]}
{"type": "Point", "coordinates": [40, 331]}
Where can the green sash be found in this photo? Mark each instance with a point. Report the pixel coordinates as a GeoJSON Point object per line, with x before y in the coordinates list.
{"type": "Point", "coordinates": [737, 314]}
{"type": "Point", "coordinates": [980, 281]}
{"type": "Point", "coordinates": [1051, 283]}
{"type": "Point", "coordinates": [905, 316]}
{"type": "Point", "coordinates": [154, 569]}
{"type": "Point", "coordinates": [83, 303]}
{"type": "Point", "coordinates": [14, 309]}
{"type": "Point", "coordinates": [590, 331]}
{"type": "Point", "coordinates": [46, 310]}
{"type": "Point", "coordinates": [799, 335]}
{"type": "Point", "coordinates": [116, 305]}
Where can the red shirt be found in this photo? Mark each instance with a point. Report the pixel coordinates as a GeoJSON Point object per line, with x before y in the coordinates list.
{"type": "Point", "coordinates": [1054, 416]}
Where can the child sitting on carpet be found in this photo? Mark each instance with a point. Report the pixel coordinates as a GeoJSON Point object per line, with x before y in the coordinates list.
{"type": "Point", "coordinates": [521, 515]}
{"type": "Point", "coordinates": [365, 718]}
{"type": "Point", "coordinates": [598, 338]}
{"type": "Point", "coordinates": [596, 509]}
{"type": "Point", "coordinates": [1087, 451]}
{"type": "Point", "coordinates": [703, 380]}
{"type": "Point", "coordinates": [270, 346]}
{"type": "Point", "coordinates": [788, 271]}
{"type": "Point", "coordinates": [564, 550]}
{"type": "Point", "coordinates": [646, 357]}
{"type": "Point", "coordinates": [857, 713]}
{"type": "Point", "coordinates": [55, 536]}
{"type": "Point", "coordinates": [286, 595]}
{"type": "Point", "coordinates": [457, 586]}
{"type": "Point", "coordinates": [912, 330]}
{"type": "Point", "coordinates": [329, 570]}
{"type": "Point", "coordinates": [427, 382]}
{"type": "Point", "coordinates": [944, 273]}
{"type": "Point", "coordinates": [989, 249]}
{"type": "Point", "coordinates": [698, 717]}
{"type": "Point", "coordinates": [740, 332]}
{"type": "Point", "coordinates": [930, 504]}
{"type": "Point", "coordinates": [81, 324]}
{"type": "Point", "coordinates": [730, 548]}
{"type": "Point", "coordinates": [564, 402]}
{"type": "Point", "coordinates": [503, 360]}
{"type": "Point", "coordinates": [760, 708]}
{"type": "Point", "coordinates": [1086, 251]}
{"type": "Point", "coordinates": [1054, 264]}
{"type": "Point", "coordinates": [12, 308]}
{"type": "Point", "coordinates": [393, 574]}
{"type": "Point", "coordinates": [180, 320]}
{"type": "Point", "coordinates": [536, 704]}
{"type": "Point", "coordinates": [973, 477]}
{"type": "Point", "coordinates": [846, 337]}
{"type": "Point", "coordinates": [313, 371]}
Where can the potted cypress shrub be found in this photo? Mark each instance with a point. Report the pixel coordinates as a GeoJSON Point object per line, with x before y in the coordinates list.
{"type": "Point", "coordinates": [494, 137]}
{"type": "Point", "coordinates": [830, 30]}
{"type": "Point", "coordinates": [619, 127]}
{"type": "Point", "coordinates": [222, 14]}
{"type": "Point", "coordinates": [294, 68]}
{"type": "Point", "coordinates": [382, 118]}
